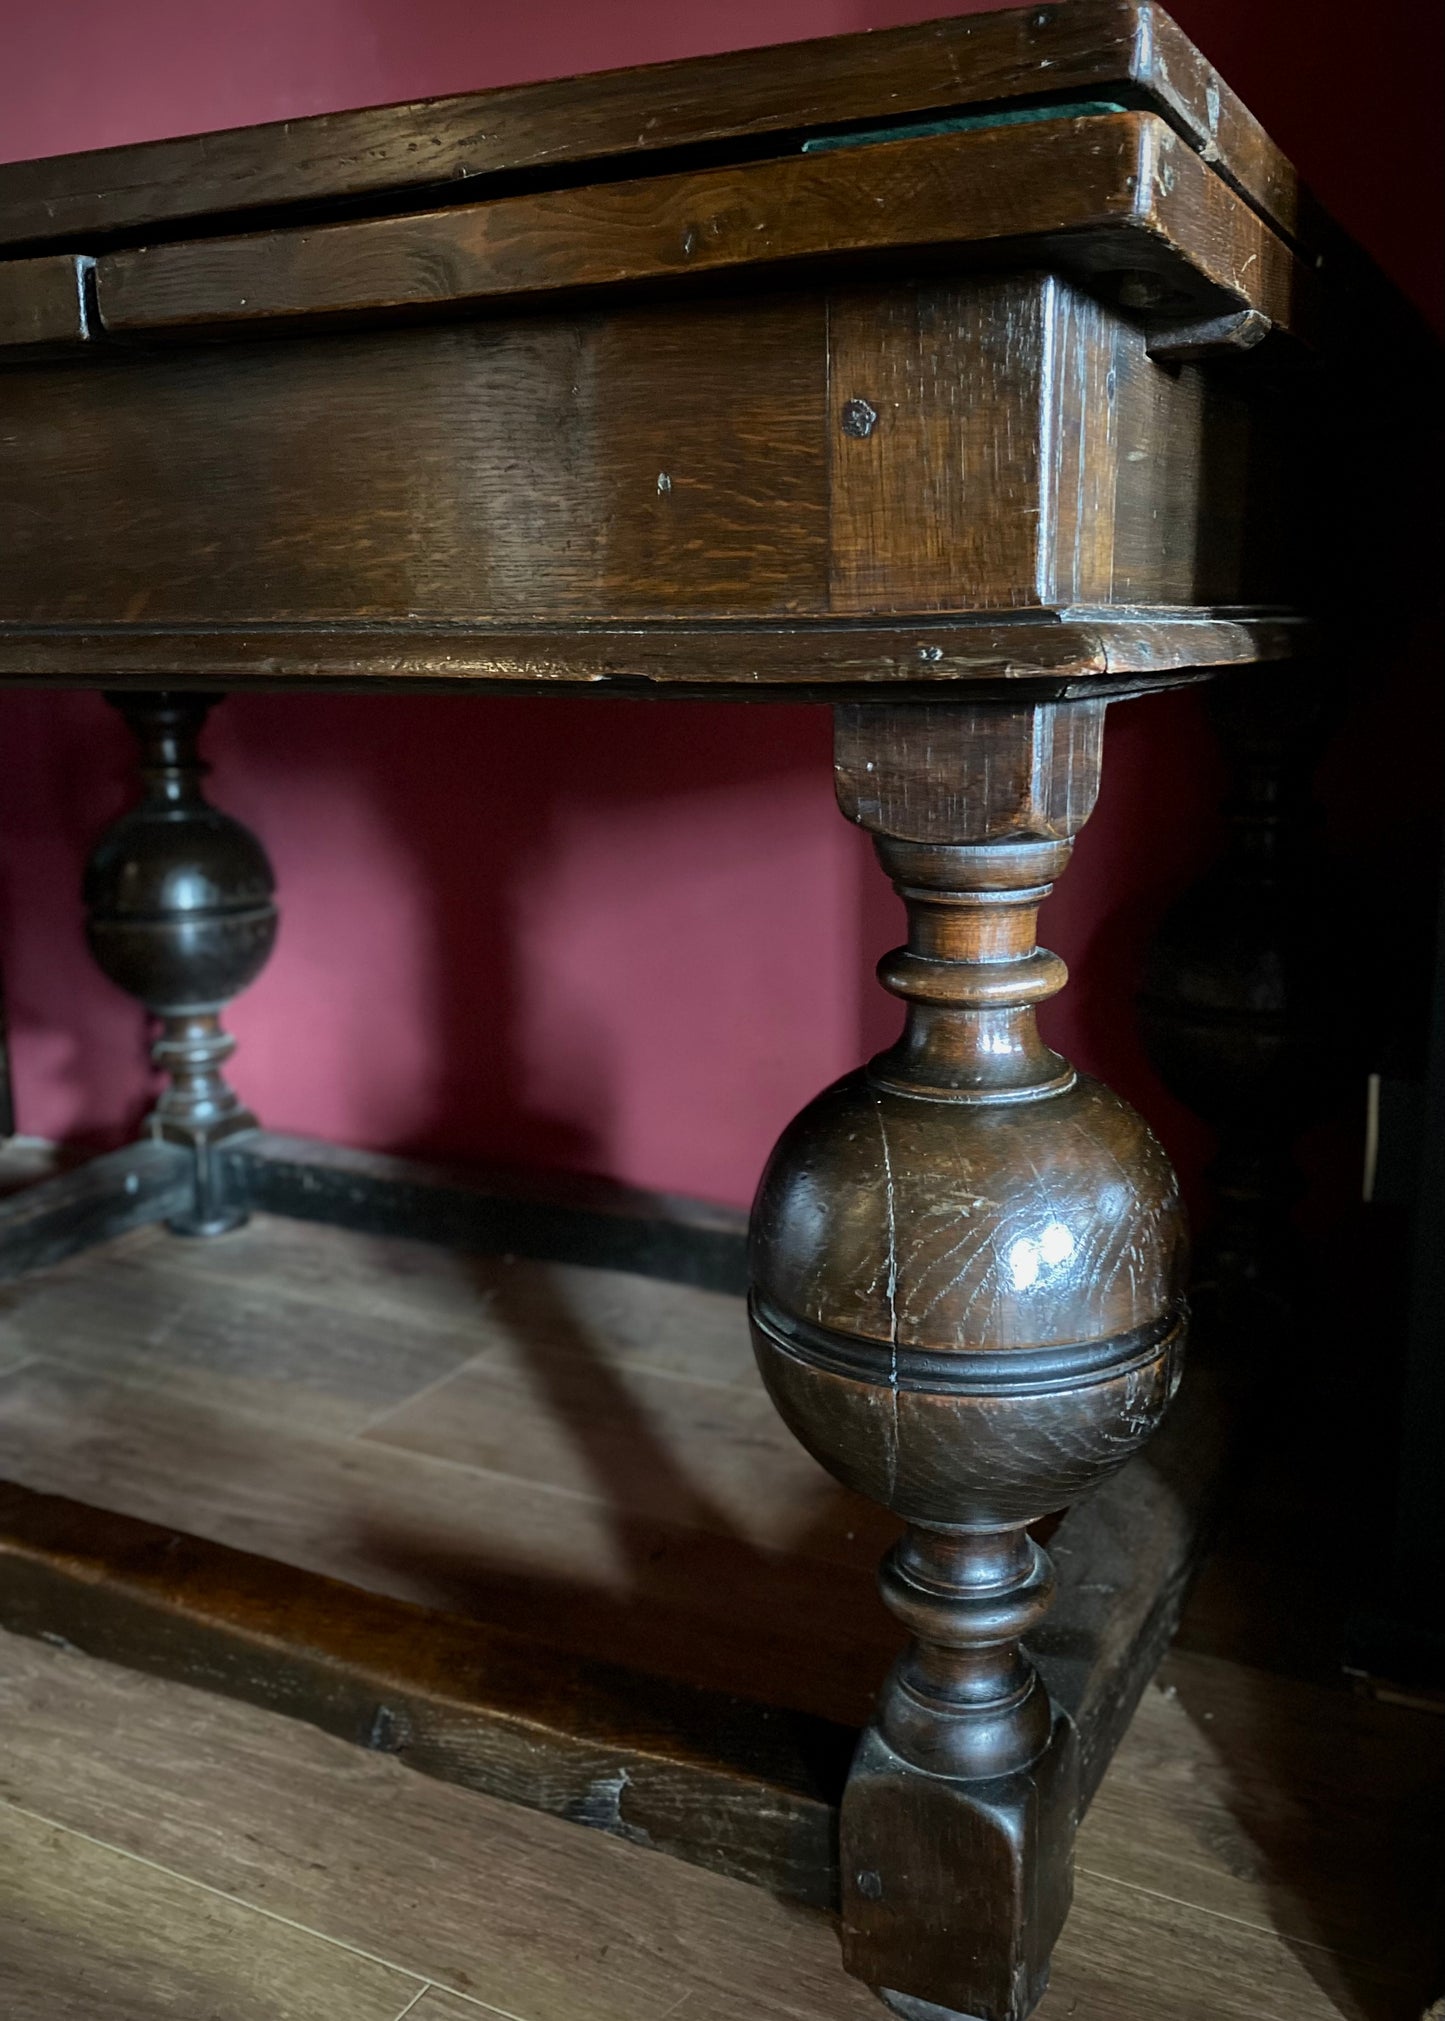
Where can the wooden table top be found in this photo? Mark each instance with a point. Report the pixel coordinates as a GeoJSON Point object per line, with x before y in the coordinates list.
{"type": "Point", "coordinates": [973, 351]}
{"type": "Point", "coordinates": [696, 113]}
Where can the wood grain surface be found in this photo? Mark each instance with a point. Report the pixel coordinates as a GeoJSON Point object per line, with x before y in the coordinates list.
{"type": "Point", "coordinates": [44, 302]}
{"type": "Point", "coordinates": [1227, 1872]}
{"type": "Point", "coordinates": [632, 1393]}
{"type": "Point", "coordinates": [512, 467]}
{"type": "Point", "coordinates": [535, 1437]}
{"type": "Point", "coordinates": [1112, 192]}
{"type": "Point", "coordinates": [755, 99]}
{"type": "Point", "coordinates": [735, 1786]}
{"type": "Point", "coordinates": [663, 464]}
{"type": "Point", "coordinates": [1100, 652]}
{"type": "Point", "coordinates": [272, 1460]}
{"type": "Point", "coordinates": [479, 1896]}
{"type": "Point", "coordinates": [90, 1201]}
{"type": "Point", "coordinates": [759, 1576]}
{"type": "Point", "coordinates": [93, 1935]}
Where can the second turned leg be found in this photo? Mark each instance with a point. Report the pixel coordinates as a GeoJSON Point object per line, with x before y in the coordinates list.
{"type": "Point", "coordinates": [181, 913]}
{"type": "Point", "coordinates": [966, 1300]}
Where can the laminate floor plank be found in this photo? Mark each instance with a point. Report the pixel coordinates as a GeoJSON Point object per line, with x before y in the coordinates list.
{"type": "Point", "coordinates": [438, 2005]}
{"type": "Point", "coordinates": [1129, 1955]}
{"type": "Point", "coordinates": [642, 1395]}
{"type": "Point", "coordinates": [587, 1456]}
{"type": "Point", "coordinates": [13, 1355]}
{"type": "Point", "coordinates": [135, 1311]}
{"type": "Point", "coordinates": [509, 1910]}
{"type": "Point", "coordinates": [708, 1456]}
{"type": "Point", "coordinates": [618, 1315]}
{"type": "Point", "coordinates": [542, 1919]}
{"type": "Point", "coordinates": [1282, 1804]}
{"type": "Point", "coordinates": [687, 1602]}
{"type": "Point", "coordinates": [91, 1935]}
{"type": "Point", "coordinates": [334, 1329]}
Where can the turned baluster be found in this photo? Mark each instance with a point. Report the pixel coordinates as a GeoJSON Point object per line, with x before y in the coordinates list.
{"type": "Point", "coordinates": [181, 914]}
{"type": "Point", "coordinates": [967, 1266]}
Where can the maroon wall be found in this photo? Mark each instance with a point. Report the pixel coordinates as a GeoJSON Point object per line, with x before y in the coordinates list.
{"type": "Point", "coordinates": [621, 937]}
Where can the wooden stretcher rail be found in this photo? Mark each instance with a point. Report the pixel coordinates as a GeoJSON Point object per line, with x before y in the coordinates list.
{"type": "Point", "coordinates": [97, 1201]}
{"type": "Point", "coordinates": [553, 1217]}
{"type": "Point", "coordinates": [742, 1788]}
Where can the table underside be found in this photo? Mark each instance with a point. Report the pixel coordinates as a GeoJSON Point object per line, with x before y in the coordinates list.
{"type": "Point", "coordinates": [509, 1500]}
{"type": "Point", "coordinates": [1020, 409]}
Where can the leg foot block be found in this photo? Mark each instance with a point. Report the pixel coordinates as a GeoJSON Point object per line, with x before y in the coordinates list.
{"type": "Point", "coordinates": [954, 1893]}
{"type": "Point", "coordinates": [218, 1204]}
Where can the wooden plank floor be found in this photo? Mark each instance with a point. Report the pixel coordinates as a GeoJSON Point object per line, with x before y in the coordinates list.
{"type": "Point", "coordinates": [168, 1853]}
{"type": "Point", "coordinates": [571, 1452]}
{"type": "Point", "coordinates": [586, 1456]}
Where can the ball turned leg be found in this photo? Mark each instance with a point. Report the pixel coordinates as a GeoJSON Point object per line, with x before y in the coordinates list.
{"type": "Point", "coordinates": [180, 913]}
{"type": "Point", "coordinates": [967, 1267]}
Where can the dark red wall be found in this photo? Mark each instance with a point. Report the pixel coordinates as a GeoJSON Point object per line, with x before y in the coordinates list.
{"type": "Point", "coordinates": [621, 937]}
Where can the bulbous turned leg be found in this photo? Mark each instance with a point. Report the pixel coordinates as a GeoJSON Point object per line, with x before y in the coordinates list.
{"type": "Point", "coordinates": [180, 913]}
{"type": "Point", "coordinates": [967, 1267]}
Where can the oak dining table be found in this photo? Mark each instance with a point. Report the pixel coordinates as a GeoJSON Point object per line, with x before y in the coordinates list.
{"type": "Point", "coordinates": [970, 378]}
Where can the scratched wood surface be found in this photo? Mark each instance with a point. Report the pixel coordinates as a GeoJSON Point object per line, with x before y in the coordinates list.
{"type": "Point", "coordinates": [990, 444]}
{"type": "Point", "coordinates": [1104, 193]}
{"type": "Point", "coordinates": [729, 105]}
{"type": "Point", "coordinates": [43, 303]}
{"type": "Point", "coordinates": [1259, 1851]}
{"type": "Point", "coordinates": [565, 466]}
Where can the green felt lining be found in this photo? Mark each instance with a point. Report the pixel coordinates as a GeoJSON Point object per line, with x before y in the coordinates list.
{"type": "Point", "coordinates": [973, 122]}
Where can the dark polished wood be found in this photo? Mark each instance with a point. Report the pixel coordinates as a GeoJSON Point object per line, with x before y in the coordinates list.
{"type": "Point", "coordinates": [733, 1783]}
{"type": "Point", "coordinates": [670, 467]}
{"type": "Point", "coordinates": [968, 376]}
{"type": "Point", "coordinates": [755, 100]}
{"type": "Point", "coordinates": [1099, 652]}
{"type": "Point", "coordinates": [180, 913]}
{"type": "Point", "coordinates": [557, 1216]}
{"type": "Point", "coordinates": [968, 1275]}
{"type": "Point", "coordinates": [95, 1202]}
{"type": "Point", "coordinates": [45, 305]}
{"type": "Point", "coordinates": [1105, 194]}
{"type": "Point", "coordinates": [1013, 367]}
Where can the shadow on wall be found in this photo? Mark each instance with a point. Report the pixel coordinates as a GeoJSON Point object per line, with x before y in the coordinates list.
{"type": "Point", "coordinates": [1153, 833]}
{"type": "Point", "coordinates": [580, 933]}
{"type": "Point", "coordinates": [1155, 829]}
{"type": "Point", "coordinates": [630, 938]}
{"type": "Point", "coordinates": [77, 1049]}
{"type": "Point", "coordinates": [636, 950]}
